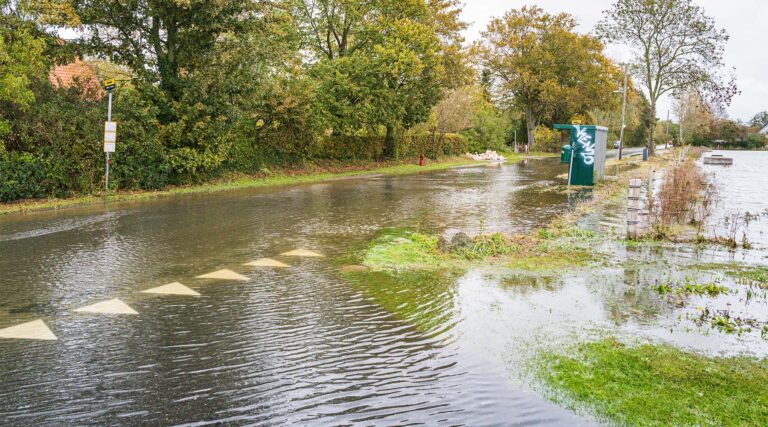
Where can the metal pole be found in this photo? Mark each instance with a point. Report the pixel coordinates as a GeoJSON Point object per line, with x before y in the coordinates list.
{"type": "Point", "coordinates": [623, 113]}
{"type": "Point", "coordinates": [666, 131]}
{"type": "Point", "coordinates": [109, 119]}
{"type": "Point", "coordinates": [570, 168]}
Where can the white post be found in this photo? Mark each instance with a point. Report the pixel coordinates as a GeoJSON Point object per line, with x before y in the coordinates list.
{"type": "Point", "coordinates": [515, 140]}
{"type": "Point", "coordinates": [623, 112]}
{"type": "Point", "coordinates": [633, 208]}
{"type": "Point", "coordinates": [109, 119]}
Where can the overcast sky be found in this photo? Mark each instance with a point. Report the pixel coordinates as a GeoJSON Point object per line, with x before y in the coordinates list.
{"type": "Point", "coordinates": [746, 22]}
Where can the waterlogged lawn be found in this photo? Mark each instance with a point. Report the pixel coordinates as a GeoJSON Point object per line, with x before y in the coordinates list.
{"type": "Point", "coordinates": [658, 385]}
{"type": "Point", "coordinates": [397, 250]}
{"type": "Point", "coordinates": [413, 276]}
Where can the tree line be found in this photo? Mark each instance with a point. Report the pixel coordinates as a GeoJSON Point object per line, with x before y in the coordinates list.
{"type": "Point", "coordinates": [209, 88]}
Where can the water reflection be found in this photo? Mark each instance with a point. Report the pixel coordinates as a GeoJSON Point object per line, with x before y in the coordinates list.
{"type": "Point", "coordinates": [297, 345]}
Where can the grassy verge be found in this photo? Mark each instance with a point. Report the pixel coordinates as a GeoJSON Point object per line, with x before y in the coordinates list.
{"type": "Point", "coordinates": [314, 173]}
{"type": "Point", "coordinates": [658, 385]}
{"type": "Point", "coordinates": [413, 275]}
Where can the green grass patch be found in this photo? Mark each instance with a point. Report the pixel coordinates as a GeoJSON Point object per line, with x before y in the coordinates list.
{"type": "Point", "coordinates": [658, 385]}
{"type": "Point", "coordinates": [402, 250]}
{"type": "Point", "coordinates": [397, 249]}
{"type": "Point", "coordinates": [488, 246]}
{"type": "Point", "coordinates": [753, 274]}
{"type": "Point", "coordinates": [689, 286]}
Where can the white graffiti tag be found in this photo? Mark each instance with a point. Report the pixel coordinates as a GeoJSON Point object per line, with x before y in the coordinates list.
{"type": "Point", "coordinates": [587, 145]}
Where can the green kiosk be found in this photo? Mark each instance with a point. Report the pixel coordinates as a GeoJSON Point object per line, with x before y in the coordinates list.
{"type": "Point", "coordinates": [586, 153]}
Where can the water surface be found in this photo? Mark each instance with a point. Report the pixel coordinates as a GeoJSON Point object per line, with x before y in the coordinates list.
{"type": "Point", "coordinates": [298, 345]}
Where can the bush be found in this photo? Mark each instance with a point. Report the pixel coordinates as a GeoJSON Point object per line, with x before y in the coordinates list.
{"type": "Point", "coordinates": [546, 140]}
{"type": "Point", "coordinates": [487, 132]}
{"type": "Point", "coordinates": [755, 141]}
{"type": "Point", "coordinates": [21, 177]}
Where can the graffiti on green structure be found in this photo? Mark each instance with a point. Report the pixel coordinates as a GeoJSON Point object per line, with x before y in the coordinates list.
{"type": "Point", "coordinates": [587, 145]}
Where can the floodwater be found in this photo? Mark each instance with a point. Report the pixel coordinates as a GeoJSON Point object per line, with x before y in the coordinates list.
{"type": "Point", "coordinates": [742, 192]}
{"type": "Point", "coordinates": [305, 344]}
{"type": "Point", "coordinates": [296, 345]}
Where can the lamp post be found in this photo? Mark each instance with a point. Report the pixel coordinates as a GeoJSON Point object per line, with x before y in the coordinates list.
{"type": "Point", "coordinates": [623, 112]}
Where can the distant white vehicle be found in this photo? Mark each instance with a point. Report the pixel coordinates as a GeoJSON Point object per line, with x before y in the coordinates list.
{"type": "Point", "coordinates": [616, 145]}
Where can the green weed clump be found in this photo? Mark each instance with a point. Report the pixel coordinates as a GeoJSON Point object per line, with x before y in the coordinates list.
{"type": "Point", "coordinates": [756, 275]}
{"type": "Point", "coordinates": [401, 250]}
{"type": "Point", "coordinates": [398, 249]}
{"type": "Point", "coordinates": [488, 246]}
{"type": "Point", "coordinates": [658, 385]}
{"type": "Point", "coordinates": [689, 286]}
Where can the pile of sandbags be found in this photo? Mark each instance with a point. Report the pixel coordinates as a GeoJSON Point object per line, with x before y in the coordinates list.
{"type": "Point", "coordinates": [488, 155]}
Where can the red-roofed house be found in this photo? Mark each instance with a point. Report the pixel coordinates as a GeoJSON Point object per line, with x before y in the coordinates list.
{"type": "Point", "coordinates": [65, 75]}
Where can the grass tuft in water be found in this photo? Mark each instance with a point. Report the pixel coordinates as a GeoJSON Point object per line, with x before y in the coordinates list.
{"type": "Point", "coordinates": [658, 385]}
{"type": "Point", "coordinates": [399, 249]}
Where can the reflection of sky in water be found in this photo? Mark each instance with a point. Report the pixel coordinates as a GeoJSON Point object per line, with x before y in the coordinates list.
{"type": "Point", "coordinates": [742, 187]}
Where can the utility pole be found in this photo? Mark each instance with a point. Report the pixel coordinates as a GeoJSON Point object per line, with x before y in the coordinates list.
{"type": "Point", "coordinates": [666, 131]}
{"type": "Point", "coordinates": [623, 112]}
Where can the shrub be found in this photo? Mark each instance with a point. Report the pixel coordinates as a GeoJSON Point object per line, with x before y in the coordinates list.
{"type": "Point", "coordinates": [546, 140]}
{"type": "Point", "coordinates": [21, 177]}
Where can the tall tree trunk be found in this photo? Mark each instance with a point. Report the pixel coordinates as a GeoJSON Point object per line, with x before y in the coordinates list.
{"type": "Point", "coordinates": [652, 129]}
{"type": "Point", "coordinates": [390, 143]}
{"type": "Point", "coordinates": [530, 121]}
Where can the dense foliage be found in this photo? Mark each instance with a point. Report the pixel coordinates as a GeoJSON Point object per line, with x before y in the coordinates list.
{"type": "Point", "coordinates": [206, 89]}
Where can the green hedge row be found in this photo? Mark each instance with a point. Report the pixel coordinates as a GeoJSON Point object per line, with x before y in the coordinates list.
{"type": "Point", "coordinates": [61, 169]}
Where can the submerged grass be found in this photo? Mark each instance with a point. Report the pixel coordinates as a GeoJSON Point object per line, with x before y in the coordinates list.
{"type": "Point", "coordinates": [422, 298]}
{"type": "Point", "coordinates": [658, 385]}
{"type": "Point", "coordinates": [758, 275]}
{"type": "Point", "coordinates": [413, 275]}
{"type": "Point", "coordinates": [397, 250]}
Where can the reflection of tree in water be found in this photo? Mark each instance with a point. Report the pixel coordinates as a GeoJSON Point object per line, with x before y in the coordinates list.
{"type": "Point", "coordinates": [629, 296]}
{"type": "Point", "coordinates": [528, 284]}
{"type": "Point", "coordinates": [422, 298]}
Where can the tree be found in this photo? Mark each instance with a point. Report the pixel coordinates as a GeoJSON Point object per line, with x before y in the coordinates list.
{"type": "Point", "coordinates": [24, 49]}
{"type": "Point", "coordinates": [694, 115]}
{"type": "Point", "coordinates": [759, 120]}
{"type": "Point", "coordinates": [675, 45]}
{"type": "Point", "coordinates": [163, 42]}
{"type": "Point", "coordinates": [383, 63]}
{"type": "Point", "coordinates": [538, 63]}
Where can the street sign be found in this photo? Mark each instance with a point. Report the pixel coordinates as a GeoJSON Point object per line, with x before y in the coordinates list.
{"type": "Point", "coordinates": [109, 84]}
{"type": "Point", "coordinates": [110, 136]}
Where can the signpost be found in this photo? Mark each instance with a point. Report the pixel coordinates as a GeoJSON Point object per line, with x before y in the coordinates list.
{"type": "Point", "coordinates": [110, 131]}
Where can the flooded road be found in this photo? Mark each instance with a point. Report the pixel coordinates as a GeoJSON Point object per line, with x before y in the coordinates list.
{"type": "Point", "coordinates": [285, 345]}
